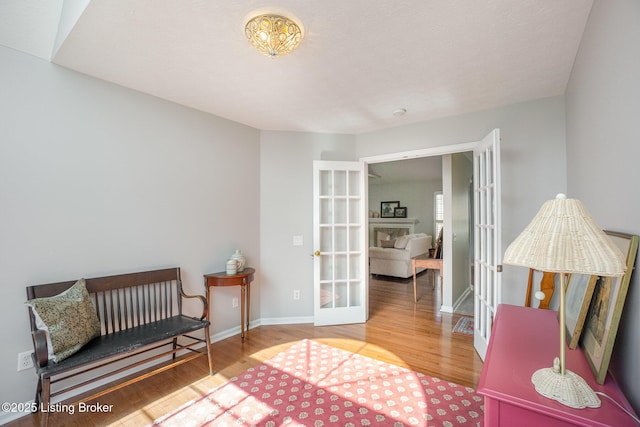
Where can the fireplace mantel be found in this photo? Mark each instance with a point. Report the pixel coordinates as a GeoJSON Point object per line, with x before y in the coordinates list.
{"type": "Point", "coordinates": [389, 228]}
{"type": "Point", "coordinates": [412, 221]}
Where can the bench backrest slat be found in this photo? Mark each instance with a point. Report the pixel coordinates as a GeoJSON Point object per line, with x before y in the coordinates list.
{"type": "Point", "coordinates": [127, 300]}
{"type": "Point", "coordinates": [113, 308]}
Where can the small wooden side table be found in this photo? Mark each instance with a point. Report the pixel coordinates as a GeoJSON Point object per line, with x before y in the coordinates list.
{"type": "Point", "coordinates": [242, 279]}
{"type": "Point", "coordinates": [425, 261]}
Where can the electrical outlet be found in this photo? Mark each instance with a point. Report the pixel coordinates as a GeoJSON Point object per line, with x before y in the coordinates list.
{"type": "Point", "coordinates": [296, 294]}
{"type": "Point", "coordinates": [24, 360]}
{"type": "Point", "coordinates": [234, 302]}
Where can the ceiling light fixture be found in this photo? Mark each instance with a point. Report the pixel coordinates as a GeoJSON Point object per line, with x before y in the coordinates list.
{"type": "Point", "coordinates": [399, 112]}
{"type": "Point", "coordinates": [273, 35]}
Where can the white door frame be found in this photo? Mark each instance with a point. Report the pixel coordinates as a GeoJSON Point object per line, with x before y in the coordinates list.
{"type": "Point", "coordinates": [447, 300]}
{"type": "Point", "coordinates": [438, 151]}
{"type": "Point", "coordinates": [425, 152]}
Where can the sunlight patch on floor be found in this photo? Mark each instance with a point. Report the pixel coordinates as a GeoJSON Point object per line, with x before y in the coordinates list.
{"type": "Point", "coordinates": [172, 401]}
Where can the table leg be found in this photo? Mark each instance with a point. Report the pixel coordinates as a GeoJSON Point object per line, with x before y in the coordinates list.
{"type": "Point", "coordinates": [413, 265]}
{"type": "Point", "coordinates": [243, 292]}
{"type": "Point", "coordinates": [248, 304]}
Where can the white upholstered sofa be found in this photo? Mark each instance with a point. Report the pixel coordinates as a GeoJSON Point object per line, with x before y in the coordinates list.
{"type": "Point", "coordinates": [396, 260]}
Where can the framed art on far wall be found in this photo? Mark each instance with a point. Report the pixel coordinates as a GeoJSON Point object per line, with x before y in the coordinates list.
{"type": "Point", "coordinates": [387, 209]}
{"type": "Point", "coordinates": [603, 317]}
{"type": "Point", "coordinates": [400, 212]}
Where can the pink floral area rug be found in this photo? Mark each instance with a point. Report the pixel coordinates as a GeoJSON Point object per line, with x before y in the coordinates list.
{"type": "Point", "coordinates": [313, 384]}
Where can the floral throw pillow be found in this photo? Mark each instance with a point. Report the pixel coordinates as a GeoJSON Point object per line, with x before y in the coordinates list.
{"type": "Point", "coordinates": [69, 320]}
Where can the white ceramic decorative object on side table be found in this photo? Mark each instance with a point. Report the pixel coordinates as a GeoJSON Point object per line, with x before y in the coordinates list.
{"type": "Point", "coordinates": [240, 258]}
{"type": "Point", "coordinates": [232, 267]}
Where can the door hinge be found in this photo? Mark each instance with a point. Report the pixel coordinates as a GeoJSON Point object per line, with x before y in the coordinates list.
{"type": "Point", "coordinates": [499, 268]}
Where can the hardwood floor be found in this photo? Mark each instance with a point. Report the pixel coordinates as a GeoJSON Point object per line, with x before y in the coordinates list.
{"type": "Point", "coordinates": [416, 336]}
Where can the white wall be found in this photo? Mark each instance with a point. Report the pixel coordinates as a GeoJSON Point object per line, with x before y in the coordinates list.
{"type": "Point", "coordinates": [533, 154]}
{"type": "Point", "coordinates": [416, 196]}
{"type": "Point", "coordinates": [603, 144]}
{"type": "Point", "coordinates": [457, 170]}
{"type": "Point", "coordinates": [286, 210]}
{"type": "Point", "coordinates": [533, 161]}
{"type": "Point", "coordinates": [462, 173]}
{"type": "Point", "coordinates": [97, 179]}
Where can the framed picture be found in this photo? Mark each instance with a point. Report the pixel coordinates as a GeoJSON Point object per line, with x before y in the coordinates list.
{"type": "Point", "coordinates": [603, 317]}
{"type": "Point", "coordinates": [387, 209]}
{"type": "Point", "coordinates": [578, 298]}
{"type": "Point", "coordinates": [400, 212]}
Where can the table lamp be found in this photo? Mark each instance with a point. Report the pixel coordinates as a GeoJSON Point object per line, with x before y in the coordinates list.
{"type": "Point", "coordinates": [563, 238]}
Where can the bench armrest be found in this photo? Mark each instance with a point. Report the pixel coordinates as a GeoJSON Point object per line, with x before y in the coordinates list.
{"type": "Point", "coordinates": [40, 347]}
{"type": "Point", "coordinates": [205, 305]}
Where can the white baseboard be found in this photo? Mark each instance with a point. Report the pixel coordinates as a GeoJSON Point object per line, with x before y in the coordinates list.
{"type": "Point", "coordinates": [461, 299]}
{"type": "Point", "coordinates": [219, 336]}
{"type": "Point", "coordinates": [446, 309]}
{"type": "Point", "coordinates": [286, 320]}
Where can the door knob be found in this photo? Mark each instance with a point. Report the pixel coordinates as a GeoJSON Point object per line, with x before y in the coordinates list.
{"type": "Point", "coordinates": [316, 253]}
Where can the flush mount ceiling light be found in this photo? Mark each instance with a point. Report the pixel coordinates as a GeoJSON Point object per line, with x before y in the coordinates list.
{"type": "Point", "coordinates": [273, 35]}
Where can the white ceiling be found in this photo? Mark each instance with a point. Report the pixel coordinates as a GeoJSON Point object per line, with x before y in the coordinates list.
{"type": "Point", "coordinates": [399, 171]}
{"type": "Point", "coordinates": [359, 59]}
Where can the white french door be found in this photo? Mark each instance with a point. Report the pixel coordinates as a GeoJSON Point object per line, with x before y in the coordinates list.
{"type": "Point", "coordinates": [340, 243]}
{"type": "Point", "coordinates": [487, 248]}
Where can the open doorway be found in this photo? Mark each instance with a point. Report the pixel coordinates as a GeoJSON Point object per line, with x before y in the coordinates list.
{"type": "Point", "coordinates": [340, 219]}
{"type": "Point", "coordinates": [414, 184]}
{"type": "Point", "coordinates": [487, 228]}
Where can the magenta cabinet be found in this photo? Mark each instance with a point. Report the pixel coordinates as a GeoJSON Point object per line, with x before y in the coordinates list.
{"type": "Point", "coordinates": [524, 340]}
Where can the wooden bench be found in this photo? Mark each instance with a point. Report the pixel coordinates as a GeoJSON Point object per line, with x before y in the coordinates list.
{"type": "Point", "coordinates": [139, 314]}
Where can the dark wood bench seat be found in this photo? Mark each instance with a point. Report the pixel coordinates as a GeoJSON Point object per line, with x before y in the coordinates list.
{"type": "Point", "coordinates": [125, 341]}
{"type": "Point", "coordinates": [139, 314]}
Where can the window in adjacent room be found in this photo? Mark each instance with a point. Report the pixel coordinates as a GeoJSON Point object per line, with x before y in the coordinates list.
{"type": "Point", "coordinates": [438, 213]}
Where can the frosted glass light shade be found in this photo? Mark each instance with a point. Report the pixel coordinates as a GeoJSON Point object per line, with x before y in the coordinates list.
{"type": "Point", "coordinates": [273, 35]}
